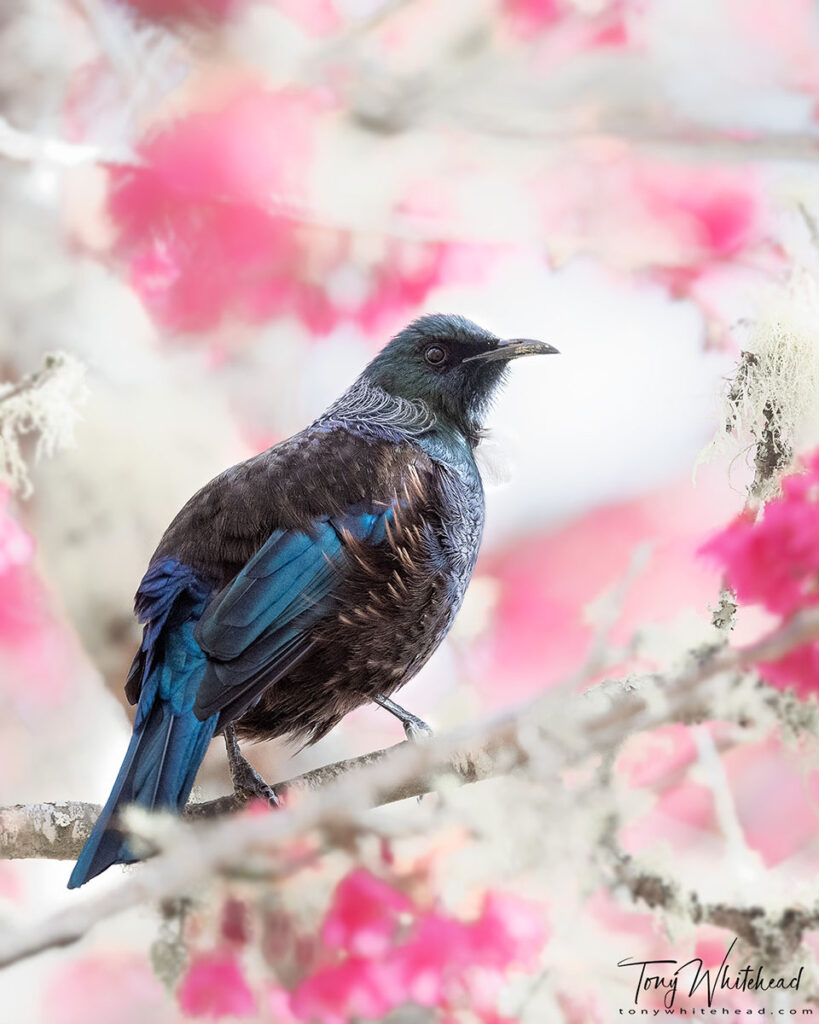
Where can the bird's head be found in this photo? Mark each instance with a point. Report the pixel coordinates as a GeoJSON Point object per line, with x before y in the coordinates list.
{"type": "Point", "coordinates": [451, 364]}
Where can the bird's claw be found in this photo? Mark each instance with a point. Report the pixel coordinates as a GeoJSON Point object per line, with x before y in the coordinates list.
{"type": "Point", "coordinates": [416, 729]}
{"type": "Point", "coordinates": [249, 785]}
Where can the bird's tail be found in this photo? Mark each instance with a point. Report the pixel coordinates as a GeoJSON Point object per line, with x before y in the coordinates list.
{"type": "Point", "coordinates": [166, 749]}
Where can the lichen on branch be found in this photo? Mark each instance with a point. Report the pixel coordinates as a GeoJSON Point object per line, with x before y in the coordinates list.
{"type": "Point", "coordinates": [44, 404]}
{"type": "Point", "coordinates": [772, 398]}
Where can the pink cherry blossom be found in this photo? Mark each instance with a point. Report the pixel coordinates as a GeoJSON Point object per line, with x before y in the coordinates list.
{"type": "Point", "coordinates": [773, 561]}
{"type": "Point", "coordinates": [509, 932]}
{"type": "Point", "coordinates": [799, 670]}
{"type": "Point", "coordinates": [433, 960]}
{"type": "Point", "coordinates": [379, 951]}
{"type": "Point", "coordinates": [280, 1002]}
{"type": "Point", "coordinates": [194, 221]}
{"type": "Point", "coordinates": [209, 227]}
{"type": "Point", "coordinates": [35, 646]}
{"type": "Point", "coordinates": [16, 545]}
{"type": "Point", "coordinates": [530, 16]}
{"type": "Point", "coordinates": [424, 966]}
{"type": "Point", "coordinates": [363, 916]}
{"type": "Point", "coordinates": [335, 994]}
{"type": "Point", "coordinates": [215, 986]}
{"type": "Point", "coordinates": [184, 10]}
{"type": "Point", "coordinates": [714, 210]}
{"type": "Point", "coordinates": [105, 986]}
{"type": "Point", "coordinates": [446, 957]}
{"type": "Point", "coordinates": [254, 145]}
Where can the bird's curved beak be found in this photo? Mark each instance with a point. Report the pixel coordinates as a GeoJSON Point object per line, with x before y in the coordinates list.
{"type": "Point", "coordinates": [515, 348]}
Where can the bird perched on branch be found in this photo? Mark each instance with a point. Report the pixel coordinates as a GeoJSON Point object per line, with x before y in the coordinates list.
{"type": "Point", "coordinates": [313, 578]}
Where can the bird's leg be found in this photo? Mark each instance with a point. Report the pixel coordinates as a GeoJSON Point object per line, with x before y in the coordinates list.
{"type": "Point", "coordinates": [247, 783]}
{"type": "Point", "coordinates": [414, 727]}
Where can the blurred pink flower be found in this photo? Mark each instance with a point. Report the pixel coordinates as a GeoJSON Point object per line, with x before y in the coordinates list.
{"type": "Point", "coordinates": [799, 669]}
{"type": "Point", "coordinates": [444, 963]}
{"type": "Point", "coordinates": [509, 932]}
{"type": "Point", "coordinates": [193, 222]}
{"type": "Point", "coordinates": [188, 10]}
{"type": "Point", "coordinates": [775, 792]}
{"type": "Point", "coordinates": [215, 986]}
{"type": "Point", "coordinates": [441, 962]}
{"type": "Point", "coordinates": [689, 803]}
{"type": "Point", "coordinates": [16, 545]}
{"type": "Point", "coordinates": [564, 30]}
{"type": "Point", "coordinates": [714, 209]}
{"type": "Point", "coordinates": [531, 16]}
{"type": "Point", "coordinates": [209, 226]}
{"type": "Point", "coordinates": [677, 222]}
{"type": "Point", "coordinates": [422, 967]}
{"type": "Point", "coordinates": [711, 945]}
{"type": "Point", "coordinates": [280, 1002]}
{"type": "Point", "coordinates": [774, 561]}
{"type": "Point", "coordinates": [33, 644]}
{"type": "Point", "coordinates": [256, 145]}
{"type": "Point", "coordinates": [102, 987]}
{"type": "Point", "coordinates": [438, 962]}
{"type": "Point", "coordinates": [363, 916]}
{"type": "Point", "coordinates": [335, 994]}
{"type": "Point", "coordinates": [38, 658]}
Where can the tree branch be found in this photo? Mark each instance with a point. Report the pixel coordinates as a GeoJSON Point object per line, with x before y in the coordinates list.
{"type": "Point", "coordinates": [547, 733]}
{"type": "Point", "coordinates": [57, 831]}
{"type": "Point", "coordinates": [777, 935]}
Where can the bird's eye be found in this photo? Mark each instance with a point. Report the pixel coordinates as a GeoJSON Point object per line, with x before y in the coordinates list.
{"type": "Point", "coordinates": [435, 355]}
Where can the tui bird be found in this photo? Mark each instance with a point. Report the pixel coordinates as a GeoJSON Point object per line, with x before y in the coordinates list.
{"type": "Point", "coordinates": [314, 577]}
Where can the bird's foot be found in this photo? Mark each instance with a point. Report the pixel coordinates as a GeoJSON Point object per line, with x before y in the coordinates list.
{"type": "Point", "coordinates": [249, 785]}
{"type": "Point", "coordinates": [247, 782]}
{"type": "Point", "coordinates": [416, 729]}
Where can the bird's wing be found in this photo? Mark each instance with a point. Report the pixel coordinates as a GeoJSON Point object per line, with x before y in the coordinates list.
{"type": "Point", "coordinates": [259, 626]}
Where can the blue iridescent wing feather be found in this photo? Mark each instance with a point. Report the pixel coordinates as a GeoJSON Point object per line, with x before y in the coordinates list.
{"type": "Point", "coordinates": [259, 626]}
{"type": "Point", "coordinates": [206, 658]}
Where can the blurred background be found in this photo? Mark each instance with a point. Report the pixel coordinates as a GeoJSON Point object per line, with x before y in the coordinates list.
{"type": "Point", "coordinates": [220, 210]}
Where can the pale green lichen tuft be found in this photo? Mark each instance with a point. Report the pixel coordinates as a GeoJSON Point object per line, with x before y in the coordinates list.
{"type": "Point", "coordinates": [45, 405]}
{"type": "Point", "coordinates": [771, 402]}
